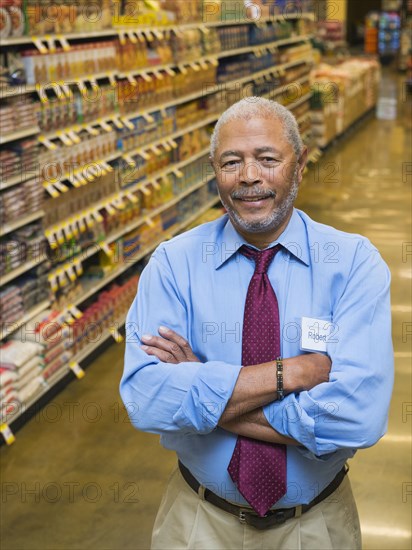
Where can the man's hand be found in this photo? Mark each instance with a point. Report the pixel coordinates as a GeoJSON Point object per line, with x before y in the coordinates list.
{"type": "Point", "coordinates": [169, 347]}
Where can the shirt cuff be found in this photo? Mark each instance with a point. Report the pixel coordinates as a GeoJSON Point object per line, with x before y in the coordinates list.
{"type": "Point", "coordinates": [207, 397]}
{"type": "Point", "coordinates": [289, 419]}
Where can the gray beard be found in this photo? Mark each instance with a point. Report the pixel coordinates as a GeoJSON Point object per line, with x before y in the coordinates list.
{"type": "Point", "coordinates": [274, 220]}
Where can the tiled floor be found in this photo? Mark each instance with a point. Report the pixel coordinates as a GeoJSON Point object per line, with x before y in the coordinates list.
{"type": "Point", "coordinates": [79, 477]}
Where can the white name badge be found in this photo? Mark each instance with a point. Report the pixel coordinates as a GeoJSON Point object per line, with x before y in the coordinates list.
{"type": "Point", "coordinates": [316, 334]}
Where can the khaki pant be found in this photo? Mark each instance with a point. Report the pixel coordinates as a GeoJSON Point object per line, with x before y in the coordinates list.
{"type": "Point", "coordinates": [185, 521]}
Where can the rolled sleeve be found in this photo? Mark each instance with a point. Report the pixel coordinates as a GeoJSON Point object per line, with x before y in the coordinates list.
{"type": "Point", "coordinates": [165, 397]}
{"type": "Point", "coordinates": [207, 397]}
{"type": "Point", "coordinates": [350, 411]}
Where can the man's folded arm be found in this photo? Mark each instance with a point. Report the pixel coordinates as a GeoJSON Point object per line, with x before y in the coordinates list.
{"type": "Point", "coordinates": [166, 397]}
{"type": "Point", "coordinates": [350, 410]}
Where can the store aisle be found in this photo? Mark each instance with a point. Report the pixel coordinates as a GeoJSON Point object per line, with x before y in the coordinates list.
{"type": "Point", "coordinates": [79, 477]}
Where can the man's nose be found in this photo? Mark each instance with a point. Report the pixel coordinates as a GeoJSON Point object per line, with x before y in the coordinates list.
{"type": "Point", "coordinates": [251, 173]}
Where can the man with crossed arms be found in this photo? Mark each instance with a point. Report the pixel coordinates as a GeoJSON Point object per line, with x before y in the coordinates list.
{"type": "Point", "coordinates": [259, 348]}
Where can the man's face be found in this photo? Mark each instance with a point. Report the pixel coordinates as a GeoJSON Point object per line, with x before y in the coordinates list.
{"type": "Point", "coordinates": [258, 176]}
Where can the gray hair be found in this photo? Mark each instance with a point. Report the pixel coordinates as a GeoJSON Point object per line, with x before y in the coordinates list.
{"type": "Point", "coordinates": [259, 107]}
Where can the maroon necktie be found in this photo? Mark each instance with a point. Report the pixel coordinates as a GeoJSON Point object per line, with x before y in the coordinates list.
{"type": "Point", "coordinates": [258, 468]}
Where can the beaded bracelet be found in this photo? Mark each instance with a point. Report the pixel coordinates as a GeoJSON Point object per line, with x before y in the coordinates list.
{"type": "Point", "coordinates": [279, 375]}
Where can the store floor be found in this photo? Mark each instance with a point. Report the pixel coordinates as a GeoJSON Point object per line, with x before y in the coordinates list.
{"type": "Point", "coordinates": [80, 477]}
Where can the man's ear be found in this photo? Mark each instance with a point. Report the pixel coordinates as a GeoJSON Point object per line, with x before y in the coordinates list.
{"type": "Point", "coordinates": [303, 159]}
{"type": "Point", "coordinates": [212, 163]}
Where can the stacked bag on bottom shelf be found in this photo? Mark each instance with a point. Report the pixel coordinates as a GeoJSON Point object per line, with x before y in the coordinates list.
{"type": "Point", "coordinates": [20, 368]}
{"type": "Point", "coordinates": [47, 331]}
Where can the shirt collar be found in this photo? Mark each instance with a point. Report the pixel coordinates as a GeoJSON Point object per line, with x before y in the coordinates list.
{"type": "Point", "coordinates": [293, 239]}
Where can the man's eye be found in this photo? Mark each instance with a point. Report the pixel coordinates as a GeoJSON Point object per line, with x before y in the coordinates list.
{"type": "Point", "coordinates": [230, 164]}
{"type": "Point", "coordinates": [268, 159]}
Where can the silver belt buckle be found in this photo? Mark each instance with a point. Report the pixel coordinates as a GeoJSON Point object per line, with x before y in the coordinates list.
{"type": "Point", "coordinates": [242, 517]}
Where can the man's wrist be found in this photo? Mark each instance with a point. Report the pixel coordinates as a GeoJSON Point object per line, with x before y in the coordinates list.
{"type": "Point", "coordinates": [279, 379]}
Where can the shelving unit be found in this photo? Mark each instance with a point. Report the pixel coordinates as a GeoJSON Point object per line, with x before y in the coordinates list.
{"type": "Point", "coordinates": [115, 121]}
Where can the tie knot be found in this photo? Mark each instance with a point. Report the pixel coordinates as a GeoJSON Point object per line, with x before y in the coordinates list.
{"type": "Point", "coordinates": [262, 258]}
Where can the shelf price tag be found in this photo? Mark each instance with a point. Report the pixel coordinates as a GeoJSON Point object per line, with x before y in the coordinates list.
{"type": "Point", "coordinates": [89, 220]}
{"type": "Point", "coordinates": [50, 43]}
{"type": "Point", "coordinates": [145, 190]}
{"type": "Point", "coordinates": [116, 335]}
{"type": "Point", "coordinates": [39, 45]}
{"type": "Point", "coordinates": [182, 69]}
{"type": "Point", "coordinates": [104, 125]}
{"type": "Point", "coordinates": [155, 150]}
{"type": "Point", "coordinates": [132, 37]}
{"type": "Point", "coordinates": [172, 143]}
{"type": "Point", "coordinates": [144, 154]}
{"type": "Point", "coordinates": [61, 277]}
{"type": "Point", "coordinates": [73, 225]}
{"type": "Point", "coordinates": [59, 234]}
{"type": "Point", "coordinates": [82, 87]}
{"type": "Point", "coordinates": [66, 90]}
{"type": "Point", "coordinates": [107, 166]}
{"type": "Point", "coordinates": [92, 130]}
{"type": "Point", "coordinates": [67, 231]}
{"type": "Point", "coordinates": [106, 249]}
{"type": "Point", "coordinates": [129, 160]}
{"type": "Point", "coordinates": [127, 123]}
{"type": "Point", "coordinates": [51, 239]}
{"type": "Point", "coordinates": [148, 35]}
{"type": "Point", "coordinates": [75, 311]}
{"type": "Point", "coordinates": [47, 143]}
{"type": "Point", "coordinates": [63, 41]}
{"type": "Point", "coordinates": [122, 38]}
{"type": "Point", "coordinates": [76, 368]}
{"type": "Point", "coordinates": [170, 71]}
{"type": "Point", "coordinates": [111, 211]}
{"type": "Point", "coordinates": [61, 187]}
{"type": "Point", "coordinates": [7, 434]}
{"type": "Point", "coordinates": [178, 173]}
{"type": "Point", "coordinates": [51, 190]}
{"type": "Point", "coordinates": [64, 138]}
{"type": "Point", "coordinates": [158, 75]}
{"type": "Point", "coordinates": [78, 267]}
{"type": "Point", "coordinates": [73, 136]}
{"type": "Point", "coordinates": [156, 185]}
{"type": "Point", "coordinates": [97, 216]}
{"type": "Point", "coordinates": [117, 123]}
{"type": "Point", "coordinates": [53, 282]}
{"type": "Point", "coordinates": [70, 272]}
{"type": "Point", "coordinates": [149, 222]}
{"type": "Point", "coordinates": [148, 118]}
{"type": "Point", "coordinates": [146, 77]}
{"type": "Point", "coordinates": [132, 198]}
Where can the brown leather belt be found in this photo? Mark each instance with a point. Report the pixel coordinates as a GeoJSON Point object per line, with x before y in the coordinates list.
{"type": "Point", "coordinates": [249, 516]}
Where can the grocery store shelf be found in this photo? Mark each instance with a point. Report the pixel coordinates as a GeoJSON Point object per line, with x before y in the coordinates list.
{"type": "Point", "coordinates": [8, 227]}
{"type": "Point", "coordinates": [264, 46]}
{"type": "Point", "coordinates": [20, 178]}
{"type": "Point", "coordinates": [295, 104]}
{"type": "Point", "coordinates": [12, 327]}
{"type": "Point", "coordinates": [107, 334]}
{"type": "Point", "coordinates": [26, 132]}
{"type": "Point", "coordinates": [89, 252]}
{"type": "Point", "coordinates": [54, 134]}
{"type": "Point", "coordinates": [19, 271]}
{"type": "Point", "coordinates": [115, 31]}
{"type": "Point", "coordinates": [13, 91]}
{"type": "Point", "coordinates": [15, 41]}
{"type": "Point", "coordinates": [216, 87]}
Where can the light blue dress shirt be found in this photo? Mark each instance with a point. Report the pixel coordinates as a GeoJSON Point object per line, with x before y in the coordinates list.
{"type": "Point", "coordinates": [196, 284]}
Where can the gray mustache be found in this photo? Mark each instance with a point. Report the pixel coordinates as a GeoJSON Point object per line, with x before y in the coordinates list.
{"type": "Point", "coordinates": [253, 193]}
